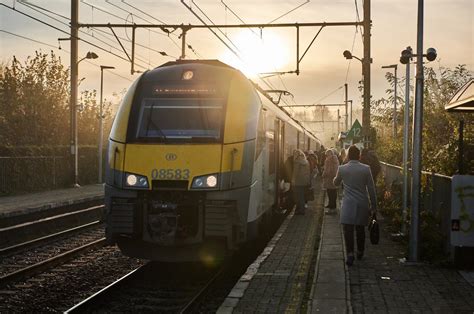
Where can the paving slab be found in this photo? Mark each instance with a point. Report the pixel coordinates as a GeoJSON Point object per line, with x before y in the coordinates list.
{"type": "Point", "coordinates": [277, 280]}
{"type": "Point", "coordinates": [40, 201]}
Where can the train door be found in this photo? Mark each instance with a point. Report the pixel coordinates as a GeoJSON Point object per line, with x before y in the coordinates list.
{"type": "Point", "coordinates": [279, 159]}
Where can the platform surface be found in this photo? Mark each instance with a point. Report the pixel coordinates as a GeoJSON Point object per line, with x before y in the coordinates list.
{"type": "Point", "coordinates": [295, 273]}
{"type": "Point", "coordinates": [27, 203]}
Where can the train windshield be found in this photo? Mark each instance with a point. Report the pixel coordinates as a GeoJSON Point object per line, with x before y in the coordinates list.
{"type": "Point", "coordinates": [194, 119]}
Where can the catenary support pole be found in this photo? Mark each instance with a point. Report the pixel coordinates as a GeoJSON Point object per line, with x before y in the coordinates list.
{"type": "Point", "coordinates": [366, 73]}
{"type": "Point", "coordinates": [406, 153]}
{"type": "Point", "coordinates": [73, 96]}
{"type": "Point", "coordinates": [183, 44]}
{"type": "Point", "coordinates": [413, 253]}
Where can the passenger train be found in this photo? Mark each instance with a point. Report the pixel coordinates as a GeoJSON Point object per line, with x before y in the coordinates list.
{"type": "Point", "coordinates": [195, 158]}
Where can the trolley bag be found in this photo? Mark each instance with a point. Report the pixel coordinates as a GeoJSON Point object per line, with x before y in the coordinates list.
{"type": "Point", "coordinates": [374, 230]}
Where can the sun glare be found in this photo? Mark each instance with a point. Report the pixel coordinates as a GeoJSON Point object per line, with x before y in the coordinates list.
{"type": "Point", "coordinates": [258, 54]}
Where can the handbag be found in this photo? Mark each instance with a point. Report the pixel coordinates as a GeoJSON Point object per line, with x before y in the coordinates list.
{"type": "Point", "coordinates": [374, 230]}
{"type": "Point", "coordinates": [309, 194]}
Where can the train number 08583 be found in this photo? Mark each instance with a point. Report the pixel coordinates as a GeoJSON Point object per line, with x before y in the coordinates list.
{"type": "Point", "coordinates": [170, 174]}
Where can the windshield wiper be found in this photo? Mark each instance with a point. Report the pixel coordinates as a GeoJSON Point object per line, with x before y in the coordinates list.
{"type": "Point", "coordinates": [150, 121]}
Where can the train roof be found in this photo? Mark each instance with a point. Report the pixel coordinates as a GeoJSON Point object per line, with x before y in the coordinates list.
{"type": "Point", "coordinates": [281, 112]}
{"type": "Point", "coordinates": [212, 62]}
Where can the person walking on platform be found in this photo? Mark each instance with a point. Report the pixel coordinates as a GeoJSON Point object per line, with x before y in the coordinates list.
{"type": "Point", "coordinates": [357, 179]}
{"type": "Point", "coordinates": [330, 169]}
{"type": "Point", "coordinates": [313, 165]}
{"type": "Point", "coordinates": [300, 180]}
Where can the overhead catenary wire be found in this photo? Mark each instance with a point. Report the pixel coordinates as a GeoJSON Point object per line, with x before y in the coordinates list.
{"type": "Point", "coordinates": [262, 78]}
{"type": "Point", "coordinates": [61, 49]}
{"type": "Point", "coordinates": [297, 7]}
{"type": "Point", "coordinates": [120, 18]}
{"type": "Point", "coordinates": [63, 31]}
{"type": "Point", "coordinates": [168, 34]}
{"type": "Point", "coordinates": [350, 60]}
{"type": "Point", "coordinates": [162, 22]}
{"type": "Point", "coordinates": [34, 8]}
{"type": "Point", "coordinates": [27, 3]}
{"type": "Point", "coordinates": [224, 34]}
{"type": "Point", "coordinates": [139, 57]}
{"type": "Point", "coordinates": [212, 31]}
{"type": "Point", "coordinates": [358, 19]}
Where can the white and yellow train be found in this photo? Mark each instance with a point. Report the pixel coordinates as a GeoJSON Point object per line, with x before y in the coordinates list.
{"type": "Point", "coordinates": [196, 153]}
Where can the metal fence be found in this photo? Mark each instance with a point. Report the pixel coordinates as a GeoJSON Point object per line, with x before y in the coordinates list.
{"type": "Point", "coordinates": [23, 174]}
{"type": "Point", "coordinates": [435, 195]}
{"type": "Point", "coordinates": [30, 173]}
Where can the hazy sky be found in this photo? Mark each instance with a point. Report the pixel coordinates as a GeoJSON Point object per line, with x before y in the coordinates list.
{"type": "Point", "coordinates": [449, 27]}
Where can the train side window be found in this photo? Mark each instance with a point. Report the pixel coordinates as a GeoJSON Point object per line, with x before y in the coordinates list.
{"type": "Point", "coordinates": [271, 151]}
{"type": "Point", "coordinates": [260, 134]}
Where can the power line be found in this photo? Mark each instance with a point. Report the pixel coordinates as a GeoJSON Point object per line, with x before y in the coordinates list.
{"type": "Point", "coordinates": [141, 11]}
{"type": "Point", "coordinates": [260, 76]}
{"type": "Point", "coordinates": [299, 6]}
{"type": "Point", "coordinates": [212, 31]}
{"type": "Point", "coordinates": [38, 8]}
{"type": "Point", "coordinates": [62, 31]}
{"type": "Point", "coordinates": [358, 19]}
{"type": "Point", "coordinates": [156, 19]}
{"type": "Point", "coordinates": [123, 19]}
{"type": "Point", "coordinates": [225, 35]}
{"type": "Point", "coordinates": [350, 60]}
{"type": "Point", "coordinates": [28, 38]}
{"type": "Point", "coordinates": [321, 99]}
{"type": "Point", "coordinates": [65, 50]}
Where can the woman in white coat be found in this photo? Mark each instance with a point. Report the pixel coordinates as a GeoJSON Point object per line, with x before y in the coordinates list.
{"type": "Point", "coordinates": [329, 173]}
{"type": "Point", "coordinates": [358, 201]}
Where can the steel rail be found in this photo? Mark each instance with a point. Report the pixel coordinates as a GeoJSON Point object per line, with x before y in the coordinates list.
{"type": "Point", "coordinates": [201, 293]}
{"type": "Point", "coordinates": [22, 245]}
{"type": "Point", "coordinates": [78, 307]}
{"type": "Point", "coordinates": [42, 220]}
{"type": "Point", "coordinates": [51, 262]}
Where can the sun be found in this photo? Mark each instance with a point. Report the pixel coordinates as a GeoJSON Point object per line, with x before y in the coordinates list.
{"type": "Point", "coordinates": [259, 53]}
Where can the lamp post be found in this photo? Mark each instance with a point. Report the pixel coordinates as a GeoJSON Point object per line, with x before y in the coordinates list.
{"type": "Point", "coordinates": [350, 126]}
{"type": "Point", "coordinates": [101, 127]}
{"type": "Point", "coordinates": [394, 66]}
{"type": "Point", "coordinates": [366, 75]}
{"type": "Point", "coordinates": [73, 109]}
{"type": "Point", "coordinates": [406, 140]}
{"type": "Point", "coordinates": [430, 55]}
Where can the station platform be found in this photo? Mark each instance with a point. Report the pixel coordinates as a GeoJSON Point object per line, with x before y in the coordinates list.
{"type": "Point", "coordinates": [47, 200]}
{"type": "Point", "coordinates": [303, 270]}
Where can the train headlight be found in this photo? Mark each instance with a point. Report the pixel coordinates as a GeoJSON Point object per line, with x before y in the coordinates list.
{"type": "Point", "coordinates": [211, 181]}
{"type": "Point", "coordinates": [132, 180]}
{"type": "Point", "coordinates": [136, 181]}
{"type": "Point", "coordinates": [205, 182]}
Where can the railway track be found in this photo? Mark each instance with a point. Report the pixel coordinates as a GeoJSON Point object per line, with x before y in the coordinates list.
{"type": "Point", "coordinates": [46, 242]}
{"type": "Point", "coordinates": [29, 258]}
{"type": "Point", "coordinates": [154, 287]}
{"type": "Point", "coordinates": [16, 231]}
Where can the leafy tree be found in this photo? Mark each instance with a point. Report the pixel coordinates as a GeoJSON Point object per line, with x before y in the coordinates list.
{"type": "Point", "coordinates": [34, 121]}
{"type": "Point", "coordinates": [34, 101]}
{"type": "Point", "coordinates": [440, 128]}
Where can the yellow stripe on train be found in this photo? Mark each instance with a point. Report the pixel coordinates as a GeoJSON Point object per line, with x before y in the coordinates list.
{"type": "Point", "coordinates": [182, 162]}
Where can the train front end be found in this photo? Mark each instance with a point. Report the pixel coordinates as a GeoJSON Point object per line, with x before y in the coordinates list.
{"type": "Point", "coordinates": [180, 163]}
